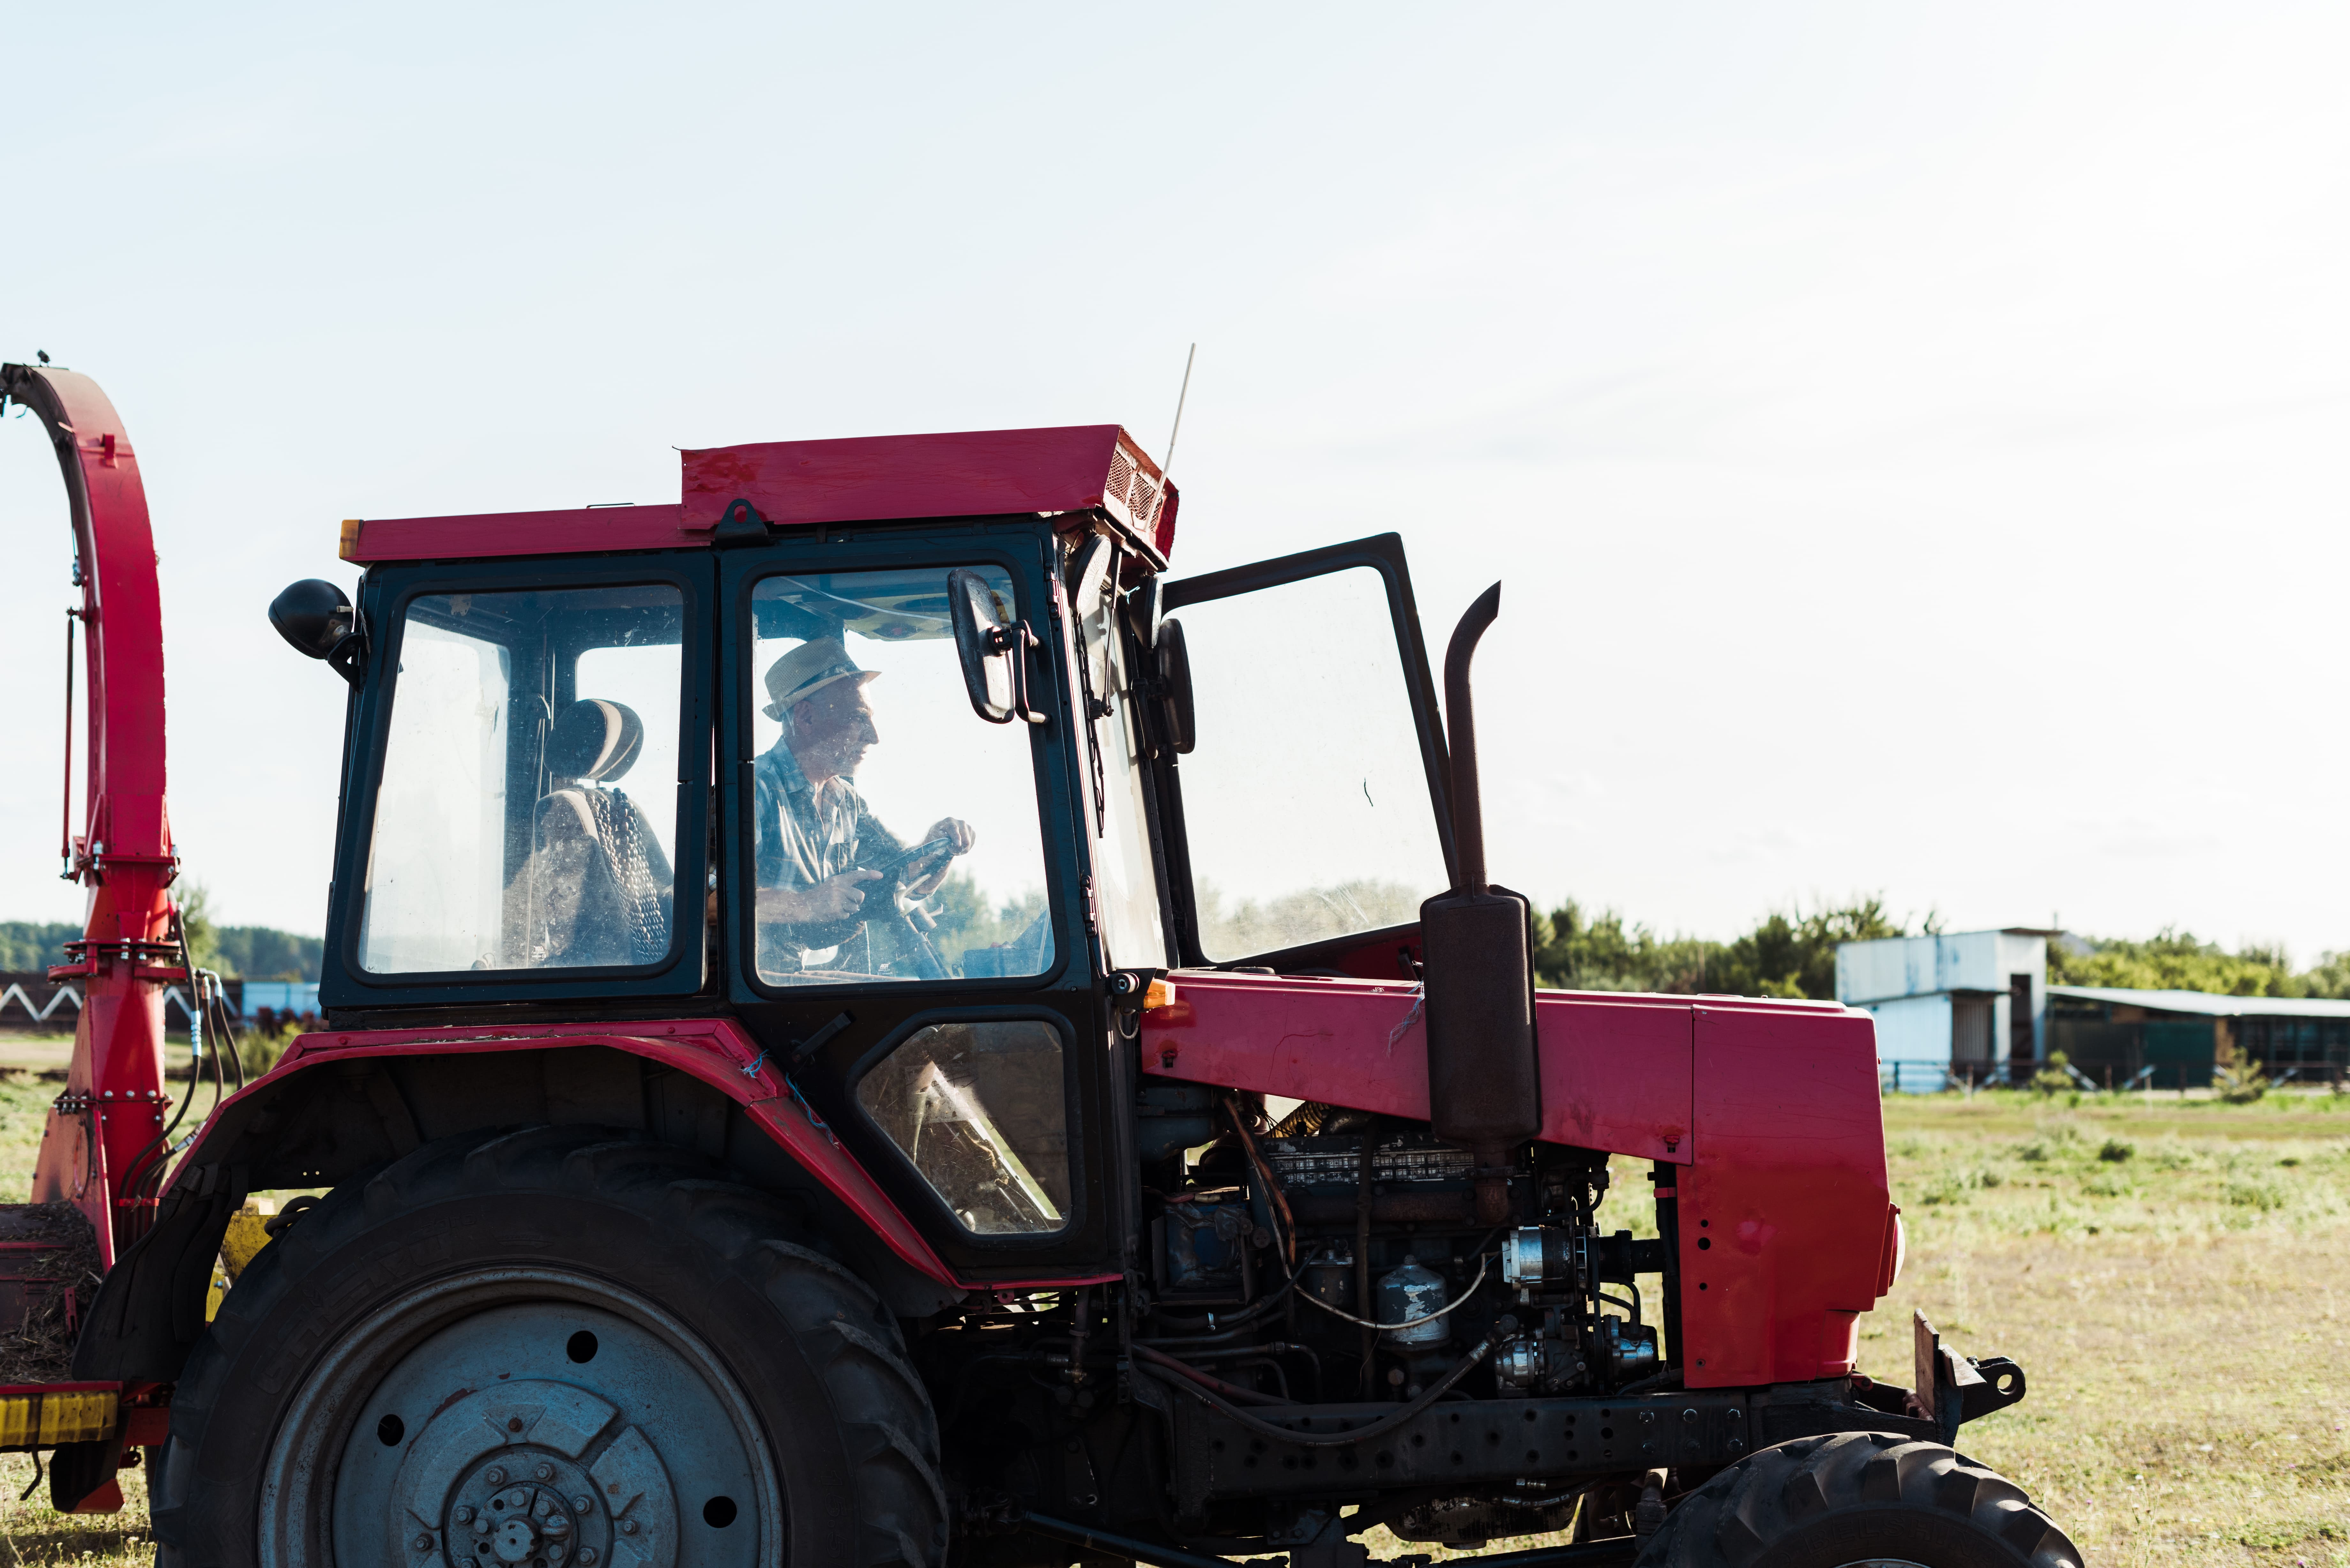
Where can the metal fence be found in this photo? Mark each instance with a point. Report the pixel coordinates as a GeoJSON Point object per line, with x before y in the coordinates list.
{"type": "Point", "coordinates": [30, 999]}
{"type": "Point", "coordinates": [1935, 1078]}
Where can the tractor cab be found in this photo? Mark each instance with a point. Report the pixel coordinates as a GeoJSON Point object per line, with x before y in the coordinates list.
{"type": "Point", "coordinates": [905, 755]}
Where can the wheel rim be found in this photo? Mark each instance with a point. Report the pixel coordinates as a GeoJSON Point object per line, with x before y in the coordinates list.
{"type": "Point", "coordinates": [520, 1418]}
{"type": "Point", "coordinates": [1881, 1563]}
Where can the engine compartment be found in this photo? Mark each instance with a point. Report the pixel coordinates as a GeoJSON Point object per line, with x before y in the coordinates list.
{"type": "Point", "coordinates": [1234, 1392]}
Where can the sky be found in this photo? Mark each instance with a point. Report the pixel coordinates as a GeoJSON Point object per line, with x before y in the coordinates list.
{"type": "Point", "coordinates": [1911, 438]}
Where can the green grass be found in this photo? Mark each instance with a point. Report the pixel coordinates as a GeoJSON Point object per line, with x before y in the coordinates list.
{"type": "Point", "coordinates": [2173, 1275]}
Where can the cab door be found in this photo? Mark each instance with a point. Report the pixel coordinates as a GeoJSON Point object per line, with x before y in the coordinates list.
{"type": "Point", "coordinates": [942, 1015]}
{"type": "Point", "coordinates": [1309, 819]}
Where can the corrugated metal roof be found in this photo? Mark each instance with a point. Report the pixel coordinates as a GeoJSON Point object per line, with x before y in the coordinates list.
{"type": "Point", "coordinates": [2206, 1003]}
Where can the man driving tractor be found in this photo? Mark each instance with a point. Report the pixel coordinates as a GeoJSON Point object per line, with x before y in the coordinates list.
{"type": "Point", "coordinates": [817, 838]}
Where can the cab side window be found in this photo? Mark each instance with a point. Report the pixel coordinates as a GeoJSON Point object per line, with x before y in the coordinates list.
{"type": "Point", "coordinates": [527, 815]}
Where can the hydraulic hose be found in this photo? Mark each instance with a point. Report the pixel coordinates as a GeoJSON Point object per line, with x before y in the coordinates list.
{"type": "Point", "coordinates": [1276, 1199]}
{"type": "Point", "coordinates": [133, 1176]}
{"type": "Point", "coordinates": [1364, 1434]}
{"type": "Point", "coordinates": [1230, 1391]}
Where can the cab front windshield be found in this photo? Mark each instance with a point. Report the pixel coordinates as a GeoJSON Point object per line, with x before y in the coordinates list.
{"type": "Point", "coordinates": [895, 834]}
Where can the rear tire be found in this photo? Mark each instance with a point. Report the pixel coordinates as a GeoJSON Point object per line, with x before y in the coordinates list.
{"type": "Point", "coordinates": [550, 1318]}
{"type": "Point", "coordinates": [1859, 1500]}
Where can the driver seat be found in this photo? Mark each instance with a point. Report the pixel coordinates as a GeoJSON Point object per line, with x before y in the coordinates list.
{"type": "Point", "coordinates": [601, 887]}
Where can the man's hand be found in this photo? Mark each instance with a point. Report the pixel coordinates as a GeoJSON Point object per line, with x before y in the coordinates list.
{"type": "Point", "coordinates": [833, 898]}
{"type": "Point", "coordinates": [960, 835]}
{"type": "Point", "coordinates": [837, 898]}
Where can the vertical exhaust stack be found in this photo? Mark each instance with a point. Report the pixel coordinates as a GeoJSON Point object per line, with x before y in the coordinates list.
{"type": "Point", "coordinates": [1484, 1083]}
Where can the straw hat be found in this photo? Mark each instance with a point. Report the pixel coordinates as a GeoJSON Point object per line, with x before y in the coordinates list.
{"type": "Point", "coordinates": [807, 669]}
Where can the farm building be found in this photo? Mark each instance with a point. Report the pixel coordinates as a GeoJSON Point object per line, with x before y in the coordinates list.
{"type": "Point", "coordinates": [2180, 1035]}
{"type": "Point", "coordinates": [1969, 1005]}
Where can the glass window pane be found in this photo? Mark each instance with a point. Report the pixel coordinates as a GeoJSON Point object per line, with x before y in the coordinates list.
{"type": "Point", "coordinates": [896, 832]}
{"type": "Point", "coordinates": [1306, 800]}
{"type": "Point", "coordinates": [1126, 884]}
{"type": "Point", "coordinates": [503, 836]}
{"type": "Point", "coordinates": [978, 1108]}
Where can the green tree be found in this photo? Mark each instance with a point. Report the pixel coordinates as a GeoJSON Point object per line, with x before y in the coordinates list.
{"type": "Point", "coordinates": [1577, 951]}
{"type": "Point", "coordinates": [264, 952]}
{"type": "Point", "coordinates": [1788, 953]}
{"type": "Point", "coordinates": [967, 919]}
{"type": "Point", "coordinates": [1793, 953]}
{"type": "Point", "coordinates": [203, 936]}
{"type": "Point", "coordinates": [2174, 959]}
{"type": "Point", "coordinates": [31, 946]}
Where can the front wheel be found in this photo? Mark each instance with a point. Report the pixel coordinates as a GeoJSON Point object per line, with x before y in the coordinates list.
{"type": "Point", "coordinates": [1859, 1500]}
{"type": "Point", "coordinates": [551, 1348]}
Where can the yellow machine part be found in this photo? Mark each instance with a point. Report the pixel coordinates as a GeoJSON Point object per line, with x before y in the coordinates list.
{"type": "Point", "coordinates": [45, 1420]}
{"type": "Point", "coordinates": [245, 1240]}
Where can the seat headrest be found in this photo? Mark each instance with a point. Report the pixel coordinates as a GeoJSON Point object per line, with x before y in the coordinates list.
{"type": "Point", "coordinates": [595, 740]}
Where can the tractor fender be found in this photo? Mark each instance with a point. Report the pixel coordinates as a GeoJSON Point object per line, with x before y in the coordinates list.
{"type": "Point", "coordinates": [341, 1104]}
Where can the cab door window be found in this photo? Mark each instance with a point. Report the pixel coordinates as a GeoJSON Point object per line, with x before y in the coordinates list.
{"type": "Point", "coordinates": [1307, 801]}
{"type": "Point", "coordinates": [895, 834]}
{"type": "Point", "coordinates": [526, 814]}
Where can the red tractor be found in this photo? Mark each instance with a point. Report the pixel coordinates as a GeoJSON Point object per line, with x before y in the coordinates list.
{"type": "Point", "coordinates": [867, 1026]}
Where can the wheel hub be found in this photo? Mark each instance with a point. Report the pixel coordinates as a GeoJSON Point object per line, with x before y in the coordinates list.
{"type": "Point", "coordinates": [533, 1475]}
{"type": "Point", "coordinates": [549, 1520]}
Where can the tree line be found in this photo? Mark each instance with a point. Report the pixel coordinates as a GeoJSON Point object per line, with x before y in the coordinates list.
{"type": "Point", "coordinates": [1792, 953]}
{"type": "Point", "coordinates": [251, 952]}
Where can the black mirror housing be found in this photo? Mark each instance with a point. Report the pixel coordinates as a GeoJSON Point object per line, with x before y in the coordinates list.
{"type": "Point", "coordinates": [1171, 662]}
{"type": "Point", "coordinates": [993, 653]}
{"type": "Point", "coordinates": [318, 621]}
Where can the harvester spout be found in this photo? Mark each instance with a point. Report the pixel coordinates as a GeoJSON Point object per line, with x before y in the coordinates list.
{"type": "Point", "coordinates": [1484, 1083]}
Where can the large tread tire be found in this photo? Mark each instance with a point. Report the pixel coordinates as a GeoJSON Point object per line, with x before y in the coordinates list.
{"type": "Point", "coordinates": [1858, 1498]}
{"type": "Point", "coordinates": [813, 1349]}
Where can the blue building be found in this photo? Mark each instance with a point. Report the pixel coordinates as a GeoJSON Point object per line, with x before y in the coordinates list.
{"type": "Point", "coordinates": [282, 997]}
{"type": "Point", "coordinates": [1964, 1007]}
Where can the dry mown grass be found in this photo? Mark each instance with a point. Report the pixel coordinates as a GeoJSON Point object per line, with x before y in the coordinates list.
{"type": "Point", "coordinates": [2174, 1276]}
{"type": "Point", "coordinates": [2175, 1279]}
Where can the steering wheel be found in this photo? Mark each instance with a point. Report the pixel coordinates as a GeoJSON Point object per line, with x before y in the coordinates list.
{"type": "Point", "coordinates": [893, 936]}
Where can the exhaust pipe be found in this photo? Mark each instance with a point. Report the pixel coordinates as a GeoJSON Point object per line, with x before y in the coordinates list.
{"type": "Point", "coordinates": [1484, 1081]}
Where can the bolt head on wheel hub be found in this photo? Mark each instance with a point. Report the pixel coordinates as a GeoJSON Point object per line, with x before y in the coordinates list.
{"type": "Point", "coordinates": [552, 1520]}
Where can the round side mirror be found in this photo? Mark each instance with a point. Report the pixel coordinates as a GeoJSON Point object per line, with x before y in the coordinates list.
{"type": "Point", "coordinates": [318, 620]}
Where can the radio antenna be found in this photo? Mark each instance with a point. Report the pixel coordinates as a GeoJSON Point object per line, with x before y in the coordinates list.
{"type": "Point", "coordinates": [1167, 463]}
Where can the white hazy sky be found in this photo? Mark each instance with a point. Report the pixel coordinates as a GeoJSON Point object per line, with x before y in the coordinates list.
{"type": "Point", "coordinates": [1911, 436]}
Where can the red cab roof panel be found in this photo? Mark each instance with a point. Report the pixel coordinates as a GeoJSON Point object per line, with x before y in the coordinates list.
{"type": "Point", "coordinates": [806, 483]}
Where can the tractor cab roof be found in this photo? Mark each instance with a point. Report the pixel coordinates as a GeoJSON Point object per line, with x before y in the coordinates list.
{"type": "Point", "coordinates": [1069, 471]}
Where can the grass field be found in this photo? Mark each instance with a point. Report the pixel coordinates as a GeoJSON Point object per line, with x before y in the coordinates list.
{"type": "Point", "coordinates": [2173, 1275]}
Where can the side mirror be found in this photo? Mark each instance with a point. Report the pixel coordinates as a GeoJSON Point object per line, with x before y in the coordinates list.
{"type": "Point", "coordinates": [1172, 662]}
{"type": "Point", "coordinates": [319, 622]}
{"type": "Point", "coordinates": [993, 650]}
